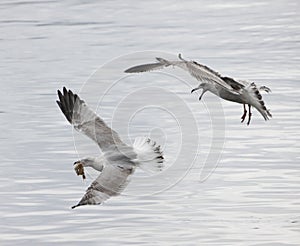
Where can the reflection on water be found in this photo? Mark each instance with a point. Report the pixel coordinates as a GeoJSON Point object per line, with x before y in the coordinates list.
{"type": "Point", "coordinates": [252, 197]}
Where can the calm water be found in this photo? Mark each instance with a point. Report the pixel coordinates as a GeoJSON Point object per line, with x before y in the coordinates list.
{"type": "Point", "coordinates": [251, 196]}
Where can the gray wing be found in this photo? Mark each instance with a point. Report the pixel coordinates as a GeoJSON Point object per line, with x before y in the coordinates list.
{"type": "Point", "coordinates": [111, 182]}
{"type": "Point", "coordinates": [200, 72]}
{"type": "Point", "coordinates": [236, 85]}
{"type": "Point", "coordinates": [86, 120]}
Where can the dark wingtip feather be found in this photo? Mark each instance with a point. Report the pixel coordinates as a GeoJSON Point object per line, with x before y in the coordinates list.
{"type": "Point", "coordinates": [144, 68]}
{"type": "Point", "coordinates": [136, 69]}
{"type": "Point", "coordinates": [128, 70]}
{"type": "Point", "coordinates": [59, 95]}
{"type": "Point", "coordinates": [58, 103]}
{"type": "Point", "coordinates": [66, 103]}
{"type": "Point", "coordinates": [75, 206]}
{"type": "Point", "coordinates": [65, 91]}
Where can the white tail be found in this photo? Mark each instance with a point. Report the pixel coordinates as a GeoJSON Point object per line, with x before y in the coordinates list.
{"type": "Point", "coordinates": [149, 155]}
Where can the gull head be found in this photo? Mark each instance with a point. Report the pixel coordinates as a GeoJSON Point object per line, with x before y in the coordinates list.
{"type": "Point", "coordinates": [81, 164]}
{"type": "Point", "coordinates": [93, 162]}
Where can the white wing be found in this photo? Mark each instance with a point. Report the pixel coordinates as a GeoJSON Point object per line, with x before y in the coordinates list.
{"type": "Point", "coordinates": [197, 70]}
{"type": "Point", "coordinates": [111, 182]}
{"type": "Point", "coordinates": [86, 120]}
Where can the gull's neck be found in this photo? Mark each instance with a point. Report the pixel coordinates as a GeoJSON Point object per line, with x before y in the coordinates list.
{"type": "Point", "coordinates": [97, 163]}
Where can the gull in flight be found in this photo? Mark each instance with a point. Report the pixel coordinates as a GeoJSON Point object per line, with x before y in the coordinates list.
{"type": "Point", "coordinates": [118, 161]}
{"type": "Point", "coordinates": [243, 92]}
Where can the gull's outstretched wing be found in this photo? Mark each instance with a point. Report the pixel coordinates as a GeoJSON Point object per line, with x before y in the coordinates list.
{"type": "Point", "coordinates": [200, 72]}
{"type": "Point", "coordinates": [86, 120]}
{"type": "Point", "coordinates": [111, 182]}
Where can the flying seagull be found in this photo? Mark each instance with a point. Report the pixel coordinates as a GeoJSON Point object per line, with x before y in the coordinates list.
{"type": "Point", "coordinates": [118, 161]}
{"type": "Point", "coordinates": [243, 92]}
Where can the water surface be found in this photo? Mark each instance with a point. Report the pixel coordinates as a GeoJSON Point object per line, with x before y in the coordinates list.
{"type": "Point", "coordinates": [252, 196]}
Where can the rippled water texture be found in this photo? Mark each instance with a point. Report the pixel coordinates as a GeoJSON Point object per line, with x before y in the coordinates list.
{"type": "Point", "coordinates": [251, 196]}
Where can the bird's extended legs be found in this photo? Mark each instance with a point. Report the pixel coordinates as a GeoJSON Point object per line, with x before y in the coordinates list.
{"type": "Point", "coordinates": [202, 94]}
{"type": "Point", "coordinates": [203, 91]}
{"type": "Point", "coordinates": [244, 114]}
{"type": "Point", "coordinates": [249, 115]}
{"type": "Point", "coordinates": [195, 89]}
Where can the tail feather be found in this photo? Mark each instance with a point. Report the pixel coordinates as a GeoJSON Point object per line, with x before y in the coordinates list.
{"type": "Point", "coordinates": [257, 100]}
{"type": "Point", "coordinates": [149, 155]}
{"type": "Point", "coordinates": [265, 88]}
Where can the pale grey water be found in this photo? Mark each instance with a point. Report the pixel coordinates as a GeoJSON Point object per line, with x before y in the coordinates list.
{"type": "Point", "coordinates": [252, 197]}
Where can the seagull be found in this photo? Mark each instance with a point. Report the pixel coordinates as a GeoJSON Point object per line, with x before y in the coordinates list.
{"type": "Point", "coordinates": [243, 92]}
{"type": "Point", "coordinates": [118, 160]}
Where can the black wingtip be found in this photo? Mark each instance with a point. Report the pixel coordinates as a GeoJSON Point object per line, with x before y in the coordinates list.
{"type": "Point", "coordinates": [59, 94]}
{"type": "Point", "coordinates": [66, 102]}
{"type": "Point", "coordinates": [75, 206]}
{"type": "Point", "coordinates": [58, 103]}
{"type": "Point", "coordinates": [131, 70]}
